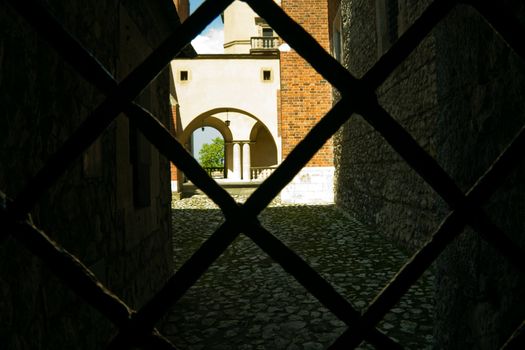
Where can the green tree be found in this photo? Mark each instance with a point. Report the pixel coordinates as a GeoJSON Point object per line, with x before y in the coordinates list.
{"type": "Point", "coordinates": [212, 154]}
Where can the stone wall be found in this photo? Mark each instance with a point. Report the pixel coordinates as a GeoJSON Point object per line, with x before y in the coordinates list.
{"type": "Point", "coordinates": [372, 181]}
{"type": "Point", "coordinates": [481, 84]}
{"type": "Point", "coordinates": [460, 95]}
{"type": "Point", "coordinates": [90, 211]}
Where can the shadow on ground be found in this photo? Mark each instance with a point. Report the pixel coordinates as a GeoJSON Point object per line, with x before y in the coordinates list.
{"type": "Point", "coordinates": [247, 301]}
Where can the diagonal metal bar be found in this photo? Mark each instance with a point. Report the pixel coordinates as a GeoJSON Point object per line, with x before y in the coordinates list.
{"type": "Point", "coordinates": [448, 230]}
{"type": "Point", "coordinates": [104, 114]}
{"type": "Point", "coordinates": [314, 283]}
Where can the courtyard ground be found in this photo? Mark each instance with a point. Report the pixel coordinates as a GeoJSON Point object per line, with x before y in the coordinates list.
{"type": "Point", "coordinates": [247, 301]}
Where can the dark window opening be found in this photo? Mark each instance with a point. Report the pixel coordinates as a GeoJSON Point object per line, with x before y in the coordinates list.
{"type": "Point", "coordinates": [183, 75]}
{"type": "Point", "coordinates": [267, 75]}
{"type": "Point", "coordinates": [267, 32]}
{"type": "Point", "coordinates": [392, 14]}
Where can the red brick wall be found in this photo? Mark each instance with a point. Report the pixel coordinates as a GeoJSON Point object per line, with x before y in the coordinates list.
{"type": "Point", "coordinates": [305, 95]}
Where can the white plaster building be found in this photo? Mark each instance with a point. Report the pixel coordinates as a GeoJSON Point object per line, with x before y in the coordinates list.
{"type": "Point", "coordinates": [238, 94]}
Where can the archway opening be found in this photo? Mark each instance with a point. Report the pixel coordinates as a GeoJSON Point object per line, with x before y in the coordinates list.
{"type": "Point", "coordinates": [264, 158]}
{"type": "Point", "coordinates": [208, 148]}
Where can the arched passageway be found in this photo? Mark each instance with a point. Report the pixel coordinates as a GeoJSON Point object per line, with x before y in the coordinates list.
{"type": "Point", "coordinates": [207, 146]}
{"type": "Point", "coordinates": [250, 151]}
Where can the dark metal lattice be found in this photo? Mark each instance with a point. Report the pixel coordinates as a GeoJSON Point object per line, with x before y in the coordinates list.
{"type": "Point", "coordinates": [358, 95]}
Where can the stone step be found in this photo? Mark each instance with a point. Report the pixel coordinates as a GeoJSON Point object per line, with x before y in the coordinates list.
{"type": "Point", "coordinates": [233, 188]}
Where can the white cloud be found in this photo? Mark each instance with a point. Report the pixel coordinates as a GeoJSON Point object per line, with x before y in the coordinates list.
{"type": "Point", "coordinates": [210, 42]}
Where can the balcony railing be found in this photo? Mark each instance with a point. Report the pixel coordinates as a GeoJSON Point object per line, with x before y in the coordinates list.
{"type": "Point", "coordinates": [261, 172]}
{"type": "Point", "coordinates": [264, 43]}
{"type": "Point", "coordinates": [216, 172]}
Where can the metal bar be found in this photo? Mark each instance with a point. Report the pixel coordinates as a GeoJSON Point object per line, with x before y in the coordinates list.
{"type": "Point", "coordinates": [104, 114]}
{"type": "Point", "coordinates": [448, 230]}
{"type": "Point", "coordinates": [314, 283]}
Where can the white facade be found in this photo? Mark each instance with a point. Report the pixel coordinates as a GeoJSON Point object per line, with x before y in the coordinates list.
{"type": "Point", "coordinates": [219, 84]}
{"type": "Point", "coordinates": [237, 94]}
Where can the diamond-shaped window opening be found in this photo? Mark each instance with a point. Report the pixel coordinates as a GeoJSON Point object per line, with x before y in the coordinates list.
{"type": "Point", "coordinates": [357, 95]}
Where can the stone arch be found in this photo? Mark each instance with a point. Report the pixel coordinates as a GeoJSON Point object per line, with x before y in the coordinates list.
{"type": "Point", "coordinates": [206, 119]}
{"type": "Point", "coordinates": [242, 132]}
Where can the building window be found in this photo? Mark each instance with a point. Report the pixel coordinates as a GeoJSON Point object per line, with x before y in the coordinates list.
{"type": "Point", "coordinates": [337, 37]}
{"type": "Point", "coordinates": [392, 13]}
{"type": "Point", "coordinates": [267, 75]}
{"type": "Point", "coordinates": [183, 75]}
{"type": "Point", "coordinates": [267, 32]}
{"type": "Point", "coordinates": [390, 23]}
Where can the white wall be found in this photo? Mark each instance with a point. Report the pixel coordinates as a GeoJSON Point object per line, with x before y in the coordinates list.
{"type": "Point", "coordinates": [234, 83]}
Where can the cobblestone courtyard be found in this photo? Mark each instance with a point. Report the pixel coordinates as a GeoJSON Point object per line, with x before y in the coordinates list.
{"type": "Point", "coordinates": [246, 301]}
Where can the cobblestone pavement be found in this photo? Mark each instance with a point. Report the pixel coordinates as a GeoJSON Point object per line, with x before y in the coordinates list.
{"type": "Point", "coordinates": [246, 301]}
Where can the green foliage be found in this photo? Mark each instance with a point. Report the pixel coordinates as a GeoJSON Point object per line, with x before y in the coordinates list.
{"type": "Point", "coordinates": [212, 154]}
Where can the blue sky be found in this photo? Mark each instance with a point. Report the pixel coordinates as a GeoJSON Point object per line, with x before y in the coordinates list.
{"type": "Point", "coordinates": [194, 4]}
{"type": "Point", "coordinates": [212, 38]}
